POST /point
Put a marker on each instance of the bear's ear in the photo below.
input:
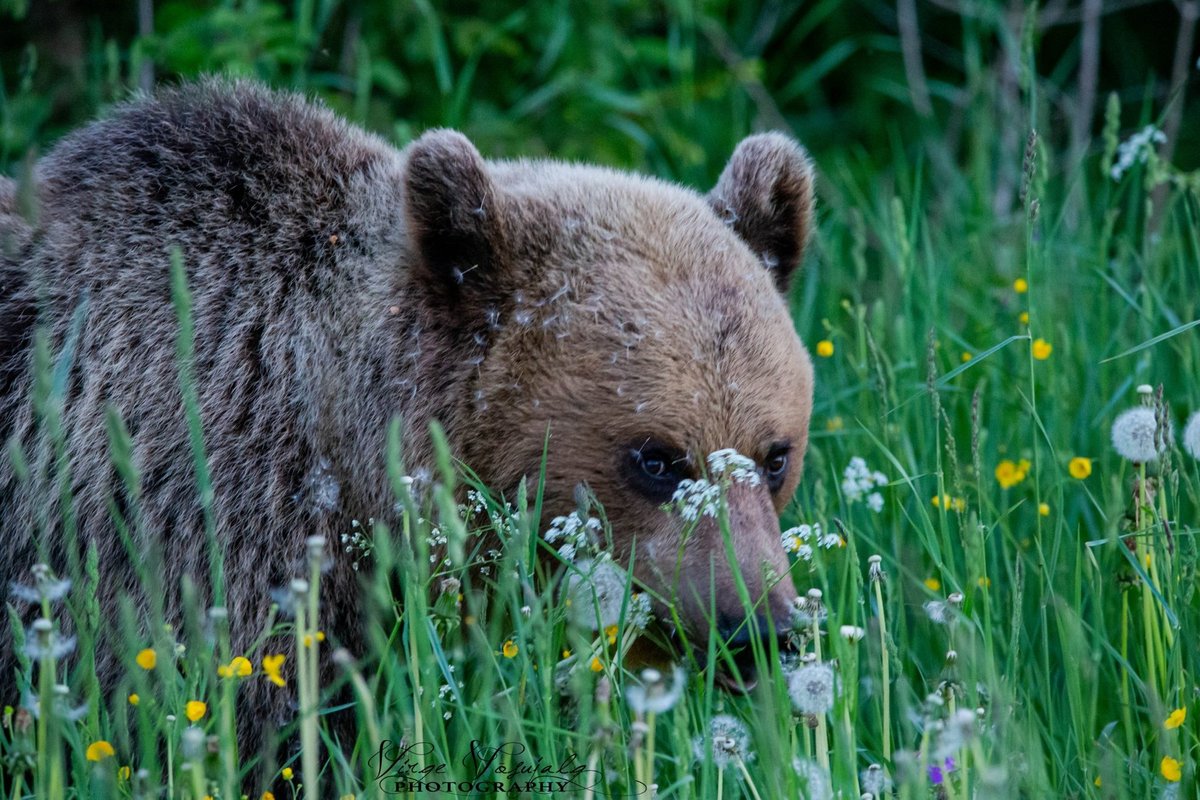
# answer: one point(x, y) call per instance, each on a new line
point(453, 218)
point(766, 195)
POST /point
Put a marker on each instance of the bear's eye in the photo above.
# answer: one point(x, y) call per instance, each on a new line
point(776, 465)
point(654, 471)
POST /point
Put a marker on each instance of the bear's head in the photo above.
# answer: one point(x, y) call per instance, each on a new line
point(631, 328)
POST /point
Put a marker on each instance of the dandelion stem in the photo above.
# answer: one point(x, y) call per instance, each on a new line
point(749, 781)
point(885, 667)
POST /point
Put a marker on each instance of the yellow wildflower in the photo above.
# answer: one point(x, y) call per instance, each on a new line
point(99, 750)
point(1023, 317)
point(966, 357)
point(1042, 349)
point(834, 424)
point(566, 654)
point(134, 699)
point(195, 709)
point(824, 348)
point(1171, 769)
point(124, 772)
point(286, 773)
point(984, 582)
point(308, 638)
point(596, 665)
point(271, 668)
point(1020, 286)
point(1080, 467)
point(1175, 719)
point(147, 659)
point(510, 649)
point(1044, 509)
point(267, 796)
point(933, 584)
point(611, 633)
point(1009, 473)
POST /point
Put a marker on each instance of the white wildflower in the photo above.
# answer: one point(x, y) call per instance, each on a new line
point(575, 533)
point(654, 694)
point(811, 688)
point(730, 742)
point(859, 483)
point(802, 539)
point(875, 781)
point(1133, 435)
point(1191, 435)
point(1136, 150)
point(694, 498)
point(729, 463)
point(852, 633)
point(960, 729)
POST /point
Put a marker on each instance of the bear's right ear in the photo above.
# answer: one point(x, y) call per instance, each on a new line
point(453, 218)
point(765, 194)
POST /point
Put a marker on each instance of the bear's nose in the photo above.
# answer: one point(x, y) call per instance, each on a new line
point(741, 633)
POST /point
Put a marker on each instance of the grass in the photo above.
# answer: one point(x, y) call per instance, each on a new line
point(998, 578)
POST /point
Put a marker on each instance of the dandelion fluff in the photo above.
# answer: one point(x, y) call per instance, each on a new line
point(814, 780)
point(655, 694)
point(811, 688)
point(596, 593)
point(1191, 435)
point(730, 742)
point(1133, 435)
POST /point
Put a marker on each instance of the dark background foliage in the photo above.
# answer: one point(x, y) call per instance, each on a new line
point(667, 87)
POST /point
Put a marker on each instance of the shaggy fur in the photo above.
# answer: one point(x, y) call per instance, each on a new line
point(337, 284)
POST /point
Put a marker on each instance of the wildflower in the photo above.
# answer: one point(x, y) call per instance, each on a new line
point(654, 694)
point(1044, 509)
point(1175, 719)
point(852, 633)
point(272, 666)
point(966, 357)
point(1171, 769)
point(825, 348)
point(510, 649)
point(611, 634)
point(1020, 286)
point(240, 667)
point(308, 638)
point(99, 750)
point(1009, 473)
point(731, 464)
point(983, 582)
point(124, 772)
point(574, 532)
point(834, 424)
point(947, 502)
point(1191, 435)
point(1080, 467)
point(195, 709)
point(1136, 150)
point(44, 642)
point(286, 773)
point(134, 699)
point(944, 613)
point(597, 665)
point(147, 659)
point(858, 483)
point(875, 568)
point(958, 731)
point(933, 584)
point(1042, 349)
point(1133, 435)
point(802, 539)
point(267, 796)
point(811, 688)
point(45, 589)
point(1023, 317)
point(730, 742)
point(814, 779)
point(694, 498)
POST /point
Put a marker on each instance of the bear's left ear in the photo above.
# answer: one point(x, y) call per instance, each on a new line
point(766, 195)
point(453, 214)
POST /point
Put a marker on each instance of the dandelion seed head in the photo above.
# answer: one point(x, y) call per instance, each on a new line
point(811, 688)
point(730, 741)
point(596, 592)
point(654, 694)
point(1133, 435)
point(814, 779)
point(1191, 435)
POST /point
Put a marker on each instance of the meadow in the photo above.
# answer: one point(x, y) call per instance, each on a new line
point(996, 530)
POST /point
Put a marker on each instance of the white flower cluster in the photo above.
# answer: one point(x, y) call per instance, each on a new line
point(802, 540)
point(357, 541)
point(575, 533)
point(1136, 149)
point(693, 498)
point(731, 464)
point(859, 483)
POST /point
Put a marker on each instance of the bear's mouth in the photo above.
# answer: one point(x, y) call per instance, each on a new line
point(740, 680)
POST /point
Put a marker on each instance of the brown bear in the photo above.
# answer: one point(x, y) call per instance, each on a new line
point(337, 284)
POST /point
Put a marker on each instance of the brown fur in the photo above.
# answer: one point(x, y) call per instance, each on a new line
point(337, 284)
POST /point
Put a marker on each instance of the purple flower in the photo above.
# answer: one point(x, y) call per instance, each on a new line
point(935, 774)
